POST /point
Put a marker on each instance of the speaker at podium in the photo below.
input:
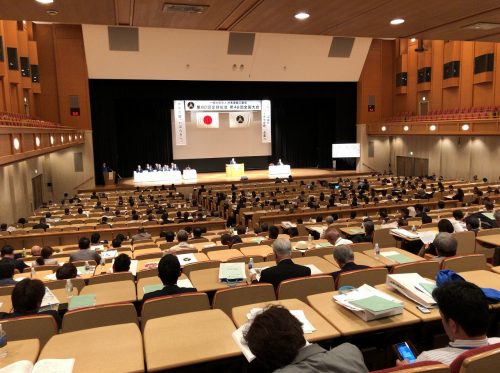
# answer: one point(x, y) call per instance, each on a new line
point(109, 177)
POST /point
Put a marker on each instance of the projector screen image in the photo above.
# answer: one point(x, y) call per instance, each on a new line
point(221, 128)
point(346, 150)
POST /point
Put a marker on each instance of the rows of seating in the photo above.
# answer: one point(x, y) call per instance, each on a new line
point(483, 112)
point(23, 120)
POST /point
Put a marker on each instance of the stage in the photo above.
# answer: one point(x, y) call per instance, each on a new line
point(214, 178)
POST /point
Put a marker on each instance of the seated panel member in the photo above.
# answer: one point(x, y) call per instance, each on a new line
point(285, 268)
point(169, 271)
point(276, 338)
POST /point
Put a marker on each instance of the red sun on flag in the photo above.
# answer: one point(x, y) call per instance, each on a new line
point(207, 119)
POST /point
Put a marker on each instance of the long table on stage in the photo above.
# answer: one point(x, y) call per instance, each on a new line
point(158, 176)
point(280, 171)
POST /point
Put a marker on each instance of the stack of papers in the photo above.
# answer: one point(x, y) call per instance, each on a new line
point(397, 257)
point(427, 237)
point(314, 270)
point(288, 224)
point(232, 272)
point(369, 303)
point(258, 239)
point(186, 259)
point(413, 286)
point(404, 233)
point(45, 365)
point(80, 301)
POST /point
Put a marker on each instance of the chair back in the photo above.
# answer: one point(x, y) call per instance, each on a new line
point(81, 263)
point(78, 283)
point(299, 238)
point(384, 238)
point(370, 276)
point(48, 267)
point(95, 317)
point(421, 367)
point(188, 268)
point(319, 252)
point(361, 246)
point(186, 251)
point(6, 290)
point(301, 287)
point(227, 299)
point(145, 273)
point(466, 242)
point(239, 259)
point(41, 327)
point(196, 240)
point(111, 277)
point(481, 359)
point(238, 246)
point(425, 268)
point(173, 305)
point(465, 263)
point(139, 256)
point(206, 250)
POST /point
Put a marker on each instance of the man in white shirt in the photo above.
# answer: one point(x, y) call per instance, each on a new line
point(465, 315)
point(332, 235)
point(458, 221)
point(182, 238)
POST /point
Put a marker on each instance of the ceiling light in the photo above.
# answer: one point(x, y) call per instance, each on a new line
point(302, 16)
point(406, 128)
point(465, 127)
point(413, 40)
point(433, 127)
point(52, 12)
point(184, 8)
point(397, 21)
point(383, 128)
point(45, 1)
point(16, 143)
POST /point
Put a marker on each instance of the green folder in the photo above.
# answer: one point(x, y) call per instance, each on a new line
point(79, 301)
point(357, 230)
point(375, 304)
point(400, 258)
point(151, 288)
point(428, 287)
point(325, 244)
point(81, 270)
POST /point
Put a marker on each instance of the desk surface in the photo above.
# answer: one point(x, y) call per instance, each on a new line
point(26, 349)
point(223, 255)
point(359, 258)
point(483, 278)
point(348, 323)
point(118, 349)
point(260, 250)
point(389, 262)
point(496, 269)
point(493, 239)
point(205, 280)
point(112, 292)
point(324, 329)
point(188, 338)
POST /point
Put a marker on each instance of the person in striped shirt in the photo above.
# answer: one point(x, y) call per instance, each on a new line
point(464, 314)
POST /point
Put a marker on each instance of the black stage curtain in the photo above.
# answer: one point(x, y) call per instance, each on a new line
point(132, 125)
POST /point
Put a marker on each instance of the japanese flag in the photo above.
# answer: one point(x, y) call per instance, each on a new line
point(207, 120)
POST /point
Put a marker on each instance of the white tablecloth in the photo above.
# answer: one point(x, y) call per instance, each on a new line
point(158, 176)
point(279, 171)
point(189, 174)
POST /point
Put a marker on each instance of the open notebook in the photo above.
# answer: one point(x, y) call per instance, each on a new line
point(42, 366)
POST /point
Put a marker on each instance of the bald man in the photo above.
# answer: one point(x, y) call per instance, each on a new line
point(36, 250)
point(332, 235)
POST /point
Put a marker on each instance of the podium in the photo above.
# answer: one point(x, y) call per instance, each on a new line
point(235, 170)
point(109, 177)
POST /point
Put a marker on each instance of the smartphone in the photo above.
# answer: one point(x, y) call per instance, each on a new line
point(404, 351)
point(423, 309)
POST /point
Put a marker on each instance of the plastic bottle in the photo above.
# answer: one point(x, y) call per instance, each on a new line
point(24, 252)
point(3, 343)
point(413, 228)
point(87, 266)
point(310, 238)
point(33, 272)
point(250, 263)
point(377, 249)
point(69, 288)
point(103, 264)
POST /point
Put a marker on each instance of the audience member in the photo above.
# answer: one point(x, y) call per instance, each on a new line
point(36, 250)
point(141, 235)
point(273, 232)
point(45, 257)
point(7, 273)
point(344, 257)
point(332, 235)
point(369, 228)
point(276, 338)
point(42, 224)
point(121, 263)
point(84, 253)
point(7, 254)
point(458, 221)
point(66, 271)
point(182, 239)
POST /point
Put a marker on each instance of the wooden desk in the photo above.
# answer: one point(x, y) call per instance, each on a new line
point(261, 250)
point(496, 269)
point(223, 255)
point(323, 265)
point(115, 348)
point(324, 329)
point(359, 258)
point(6, 301)
point(206, 280)
point(389, 262)
point(431, 229)
point(482, 278)
point(201, 245)
point(410, 305)
point(352, 231)
point(27, 349)
point(188, 338)
point(112, 292)
point(348, 323)
point(493, 239)
point(39, 275)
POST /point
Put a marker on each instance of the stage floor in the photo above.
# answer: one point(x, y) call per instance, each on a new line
point(211, 178)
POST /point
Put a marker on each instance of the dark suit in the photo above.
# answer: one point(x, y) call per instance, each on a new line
point(18, 264)
point(351, 266)
point(167, 290)
point(285, 270)
point(41, 226)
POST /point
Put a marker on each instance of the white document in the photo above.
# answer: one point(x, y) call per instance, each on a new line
point(314, 270)
point(427, 237)
point(388, 253)
point(52, 276)
point(232, 271)
point(186, 259)
point(240, 341)
point(404, 233)
point(109, 254)
point(288, 224)
point(49, 299)
point(184, 283)
point(410, 285)
point(42, 366)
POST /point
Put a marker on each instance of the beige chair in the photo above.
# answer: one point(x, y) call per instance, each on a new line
point(466, 242)
point(78, 283)
point(41, 327)
point(48, 267)
point(139, 256)
point(186, 251)
point(482, 359)
point(227, 299)
point(95, 317)
point(384, 238)
point(242, 258)
point(370, 276)
point(187, 269)
point(145, 273)
point(112, 277)
point(206, 250)
point(197, 240)
point(425, 268)
point(422, 367)
point(361, 246)
point(6, 290)
point(319, 252)
point(301, 287)
point(465, 263)
point(173, 305)
point(238, 246)
point(143, 246)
